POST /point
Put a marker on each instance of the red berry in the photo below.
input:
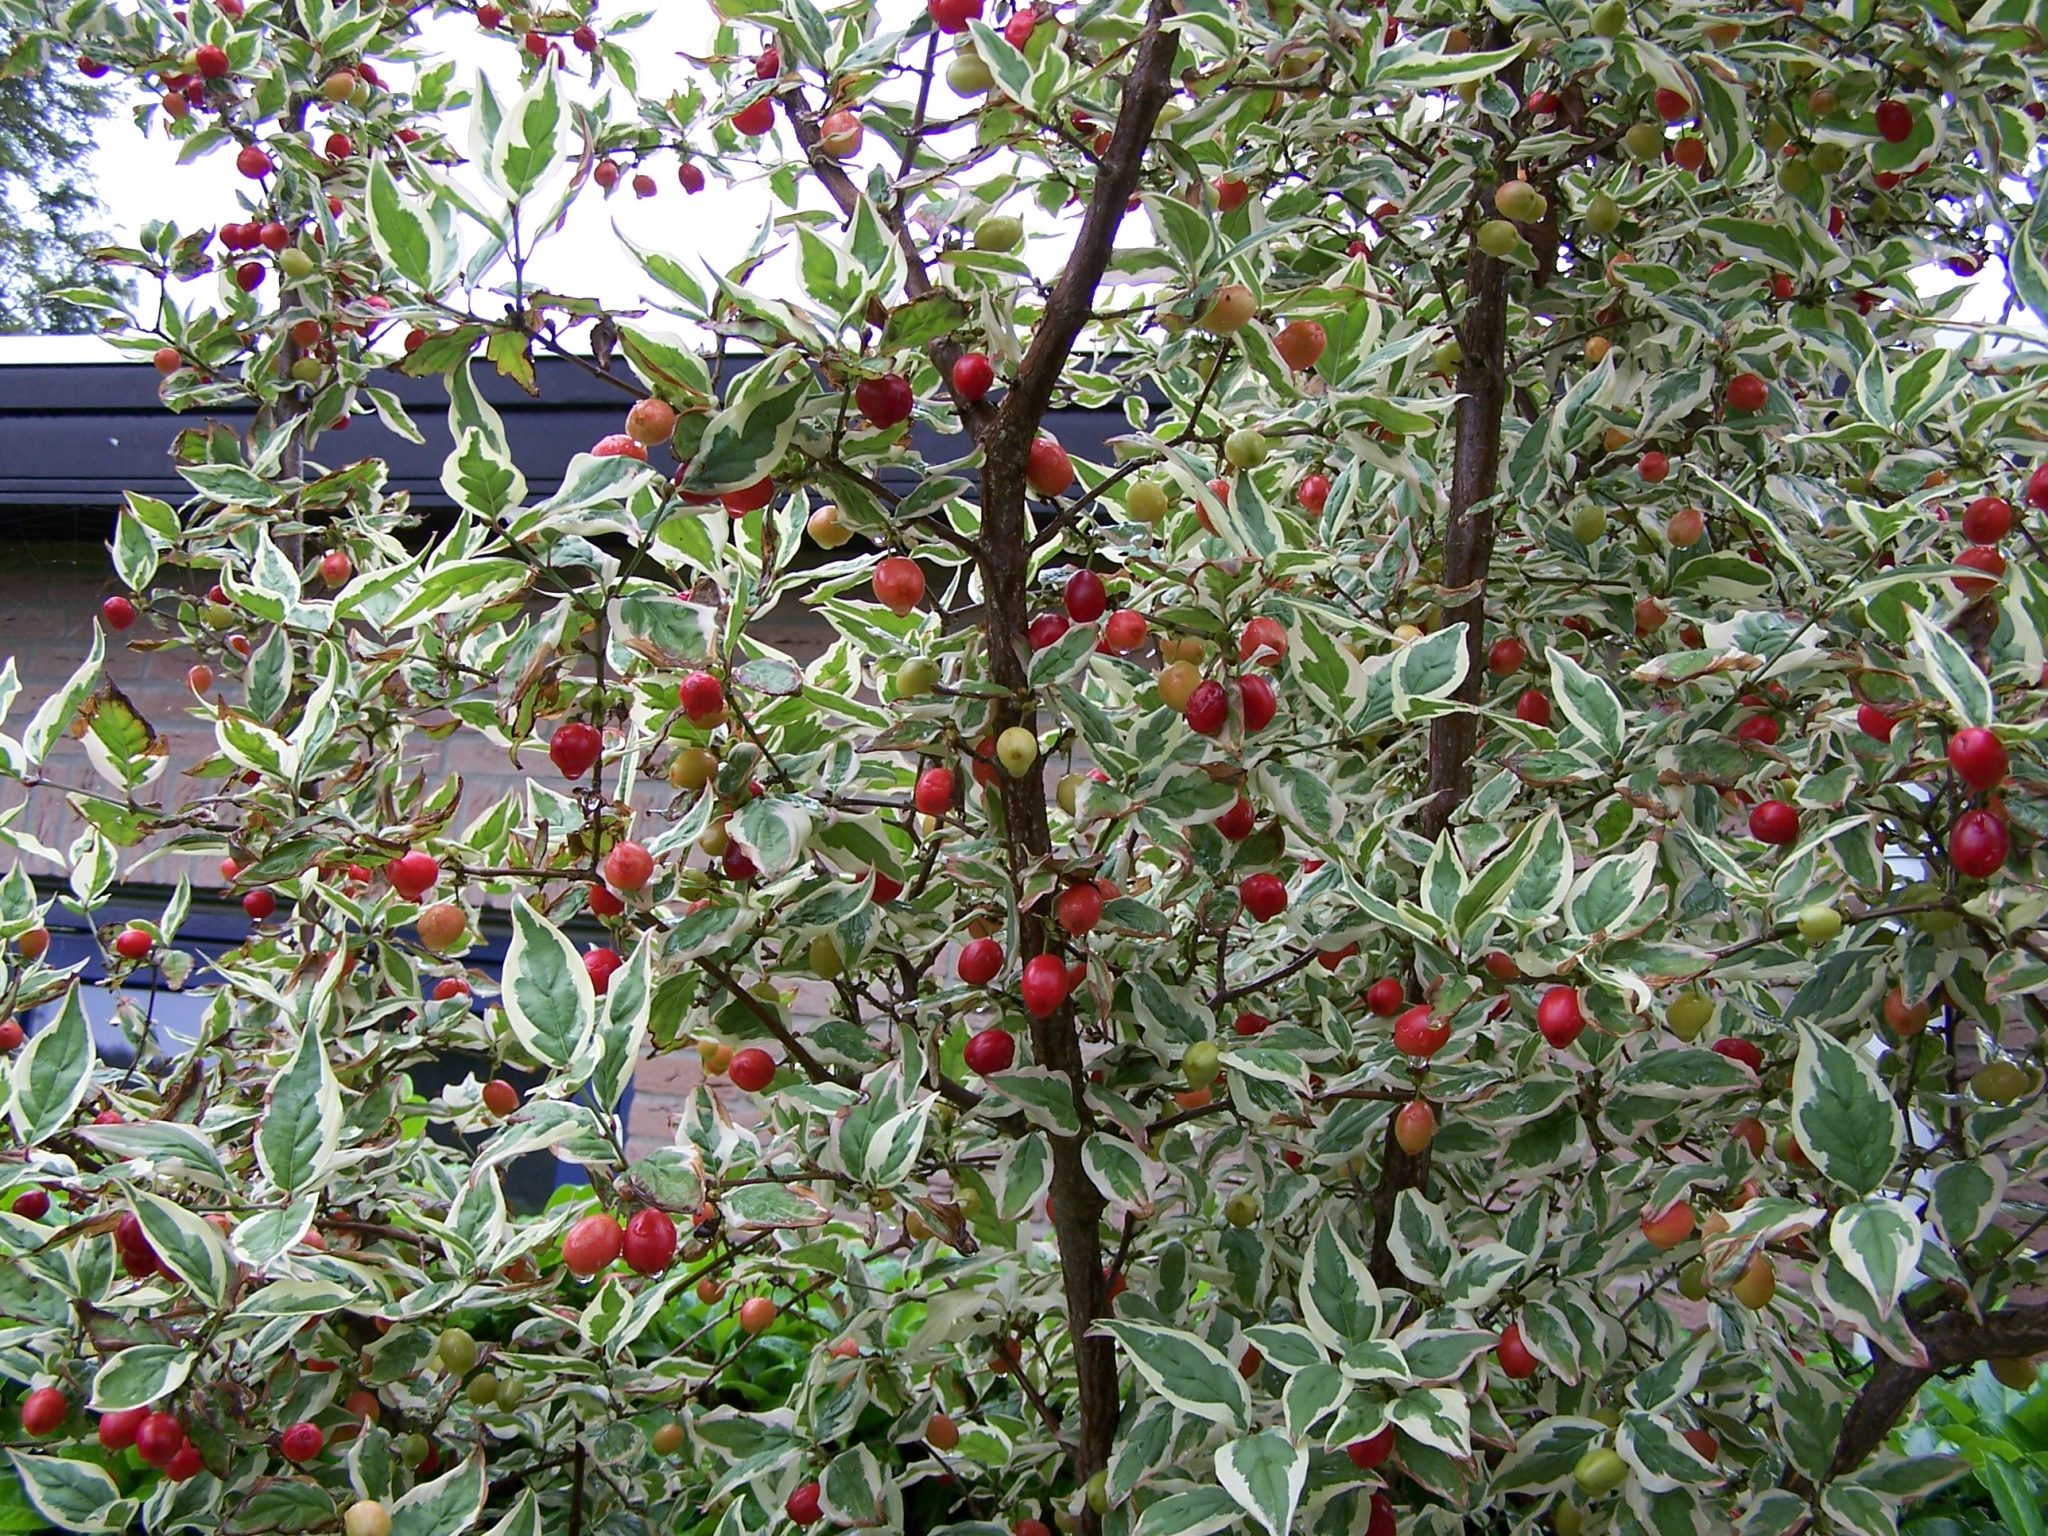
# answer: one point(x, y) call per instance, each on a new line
point(1672, 106)
point(413, 874)
point(259, 903)
point(158, 1438)
point(1046, 630)
point(1559, 1018)
point(805, 1505)
point(1313, 493)
point(1263, 643)
point(302, 1442)
point(1079, 908)
point(575, 748)
point(1747, 394)
point(1043, 986)
point(1516, 1362)
point(2037, 488)
point(898, 583)
point(118, 612)
point(500, 1097)
point(585, 39)
point(1987, 520)
point(536, 43)
point(1774, 822)
point(31, 1204)
point(600, 965)
point(1264, 896)
point(1372, 1452)
point(117, 1429)
point(702, 697)
point(690, 176)
point(933, 795)
point(133, 944)
point(1207, 708)
point(1745, 1051)
point(1533, 708)
point(755, 118)
point(253, 163)
point(1977, 844)
point(1125, 631)
point(489, 17)
point(1978, 757)
point(43, 1410)
point(1762, 729)
point(1654, 467)
point(768, 63)
point(628, 866)
point(1257, 703)
point(751, 1069)
point(952, 16)
point(990, 1051)
point(1874, 722)
point(1386, 997)
point(592, 1244)
point(336, 567)
point(1983, 558)
point(1379, 1520)
point(885, 401)
point(1251, 1024)
point(186, 1465)
point(1018, 29)
point(1238, 822)
point(1506, 655)
point(980, 961)
point(1420, 1034)
point(650, 1244)
point(1047, 469)
point(1894, 121)
point(973, 375)
point(643, 184)
point(1086, 597)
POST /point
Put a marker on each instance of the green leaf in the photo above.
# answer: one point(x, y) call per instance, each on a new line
point(1429, 668)
point(1773, 244)
point(1880, 1242)
point(1413, 65)
point(402, 228)
point(549, 1000)
point(480, 477)
point(1117, 1170)
point(536, 137)
point(1436, 1416)
point(1198, 1512)
point(1340, 1304)
point(52, 1072)
point(746, 440)
point(1603, 898)
point(1947, 666)
point(1841, 1115)
point(1187, 1371)
point(1591, 706)
point(72, 1495)
point(1045, 1096)
point(1266, 1475)
point(301, 1126)
point(140, 1374)
point(775, 832)
point(187, 1243)
point(852, 1488)
point(922, 321)
point(448, 1505)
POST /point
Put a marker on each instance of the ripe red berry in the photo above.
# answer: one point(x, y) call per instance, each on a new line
point(1125, 631)
point(31, 1204)
point(1977, 844)
point(1747, 394)
point(1251, 1024)
point(1239, 821)
point(1018, 29)
point(1894, 121)
point(253, 163)
point(1874, 722)
point(1207, 708)
point(952, 16)
point(973, 375)
point(755, 118)
point(500, 1097)
point(898, 584)
point(1762, 729)
point(585, 39)
point(1559, 1017)
point(1047, 469)
point(1533, 708)
point(980, 961)
point(768, 63)
point(1086, 597)
point(751, 1069)
point(259, 903)
point(1774, 822)
point(413, 875)
point(1386, 997)
point(1046, 630)
point(592, 1244)
point(1079, 908)
point(650, 1243)
point(1672, 106)
point(600, 965)
point(133, 944)
point(1313, 493)
point(302, 1442)
point(628, 866)
point(186, 1465)
point(1043, 985)
point(1978, 757)
point(1980, 557)
point(1987, 520)
point(885, 401)
point(1262, 643)
point(2037, 488)
point(990, 1051)
point(1506, 655)
point(1745, 1051)
point(117, 1429)
point(1654, 467)
point(1420, 1034)
point(43, 1410)
point(336, 567)
point(933, 795)
point(1264, 896)
point(158, 1438)
point(702, 697)
point(489, 17)
point(117, 612)
point(1516, 1362)
point(575, 748)
point(643, 184)
point(1257, 703)
point(1372, 1451)
point(806, 1504)
point(690, 177)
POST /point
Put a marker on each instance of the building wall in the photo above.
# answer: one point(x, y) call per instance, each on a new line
point(50, 594)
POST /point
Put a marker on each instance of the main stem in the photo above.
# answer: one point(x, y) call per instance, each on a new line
point(1004, 557)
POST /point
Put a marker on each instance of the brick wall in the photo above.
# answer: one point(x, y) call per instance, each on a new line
point(50, 593)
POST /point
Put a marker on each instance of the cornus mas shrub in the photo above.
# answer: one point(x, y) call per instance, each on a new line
point(1481, 970)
